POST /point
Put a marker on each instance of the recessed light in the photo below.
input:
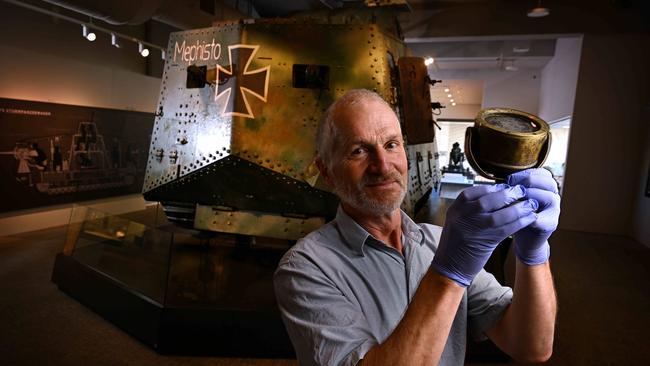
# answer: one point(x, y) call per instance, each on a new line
point(538, 11)
point(451, 100)
point(449, 95)
point(453, 104)
point(446, 90)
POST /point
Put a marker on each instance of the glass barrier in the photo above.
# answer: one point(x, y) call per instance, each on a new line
point(174, 266)
point(129, 252)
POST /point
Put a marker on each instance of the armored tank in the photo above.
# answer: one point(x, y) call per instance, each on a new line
point(233, 142)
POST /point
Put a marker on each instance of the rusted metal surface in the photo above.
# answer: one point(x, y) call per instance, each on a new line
point(255, 223)
point(416, 103)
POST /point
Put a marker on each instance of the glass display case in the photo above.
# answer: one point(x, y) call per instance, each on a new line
point(179, 291)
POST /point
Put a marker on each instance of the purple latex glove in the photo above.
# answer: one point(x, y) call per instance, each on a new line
point(531, 243)
point(479, 219)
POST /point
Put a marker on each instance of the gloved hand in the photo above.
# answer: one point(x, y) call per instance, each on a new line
point(479, 219)
point(531, 243)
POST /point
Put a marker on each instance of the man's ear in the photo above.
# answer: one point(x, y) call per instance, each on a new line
point(324, 172)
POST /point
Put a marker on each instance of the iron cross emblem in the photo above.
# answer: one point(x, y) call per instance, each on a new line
point(242, 80)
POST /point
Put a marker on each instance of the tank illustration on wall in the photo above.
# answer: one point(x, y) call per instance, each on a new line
point(233, 143)
point(85, 165)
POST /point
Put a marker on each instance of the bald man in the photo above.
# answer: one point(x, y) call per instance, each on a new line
point(372, 287)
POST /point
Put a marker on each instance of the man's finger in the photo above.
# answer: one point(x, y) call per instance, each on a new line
point(512, 213)
point(473, 193)
point(534, 178)
point(547, 220)
point(511, 228)
point(545, 198)
point(497, 200)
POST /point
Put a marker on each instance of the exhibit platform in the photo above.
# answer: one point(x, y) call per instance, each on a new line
point(179, 291)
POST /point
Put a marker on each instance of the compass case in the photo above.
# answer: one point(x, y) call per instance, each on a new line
point(503, 141)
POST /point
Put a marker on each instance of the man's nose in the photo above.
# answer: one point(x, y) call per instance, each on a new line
point(379, 161)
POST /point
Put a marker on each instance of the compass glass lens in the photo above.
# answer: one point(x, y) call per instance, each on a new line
point(512, 123)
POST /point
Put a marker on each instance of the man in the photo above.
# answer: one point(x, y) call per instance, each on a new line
point(367, 289)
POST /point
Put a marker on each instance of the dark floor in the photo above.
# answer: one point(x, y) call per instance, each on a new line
point(603, 285)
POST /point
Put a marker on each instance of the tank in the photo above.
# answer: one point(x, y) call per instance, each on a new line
point(233, 143)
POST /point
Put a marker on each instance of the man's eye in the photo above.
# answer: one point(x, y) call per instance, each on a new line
point(392, 145)
point(357, 151)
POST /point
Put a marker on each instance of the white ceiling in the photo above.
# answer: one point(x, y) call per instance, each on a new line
point(462, 91)
point(465, 59)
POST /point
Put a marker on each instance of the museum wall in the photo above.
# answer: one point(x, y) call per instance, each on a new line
point(514, 89)
point(53, 216)
point(608, 138)
point(558, 80)
point(459, 111)
point(641, 223)
point(45, 59)
point(518, 90)
point(37, 77)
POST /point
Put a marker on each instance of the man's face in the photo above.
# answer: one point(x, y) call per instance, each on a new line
point(368, 168)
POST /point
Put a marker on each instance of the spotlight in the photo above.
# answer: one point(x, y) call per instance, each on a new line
point(428, 61)
point(446, 90)
point(538, 11)
point(510, 66)
point(88, 35)
point(143, 51)
point(114, 41)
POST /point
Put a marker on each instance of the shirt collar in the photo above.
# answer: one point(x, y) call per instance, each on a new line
point(356, 236)
point(412, 230)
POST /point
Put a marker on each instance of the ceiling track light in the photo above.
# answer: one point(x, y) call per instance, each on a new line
point(88, 29)
point(89, 35)
point(144, 52)
point(114, 41)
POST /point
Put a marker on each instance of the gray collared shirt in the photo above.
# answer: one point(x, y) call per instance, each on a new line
point(341, 292)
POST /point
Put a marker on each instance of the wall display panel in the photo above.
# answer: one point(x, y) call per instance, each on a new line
point(56, 153)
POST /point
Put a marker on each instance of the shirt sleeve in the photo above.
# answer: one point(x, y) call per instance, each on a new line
point(325, 327)
point(486, 301)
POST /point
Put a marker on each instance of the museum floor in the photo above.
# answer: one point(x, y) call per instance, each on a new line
point(602, 283)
